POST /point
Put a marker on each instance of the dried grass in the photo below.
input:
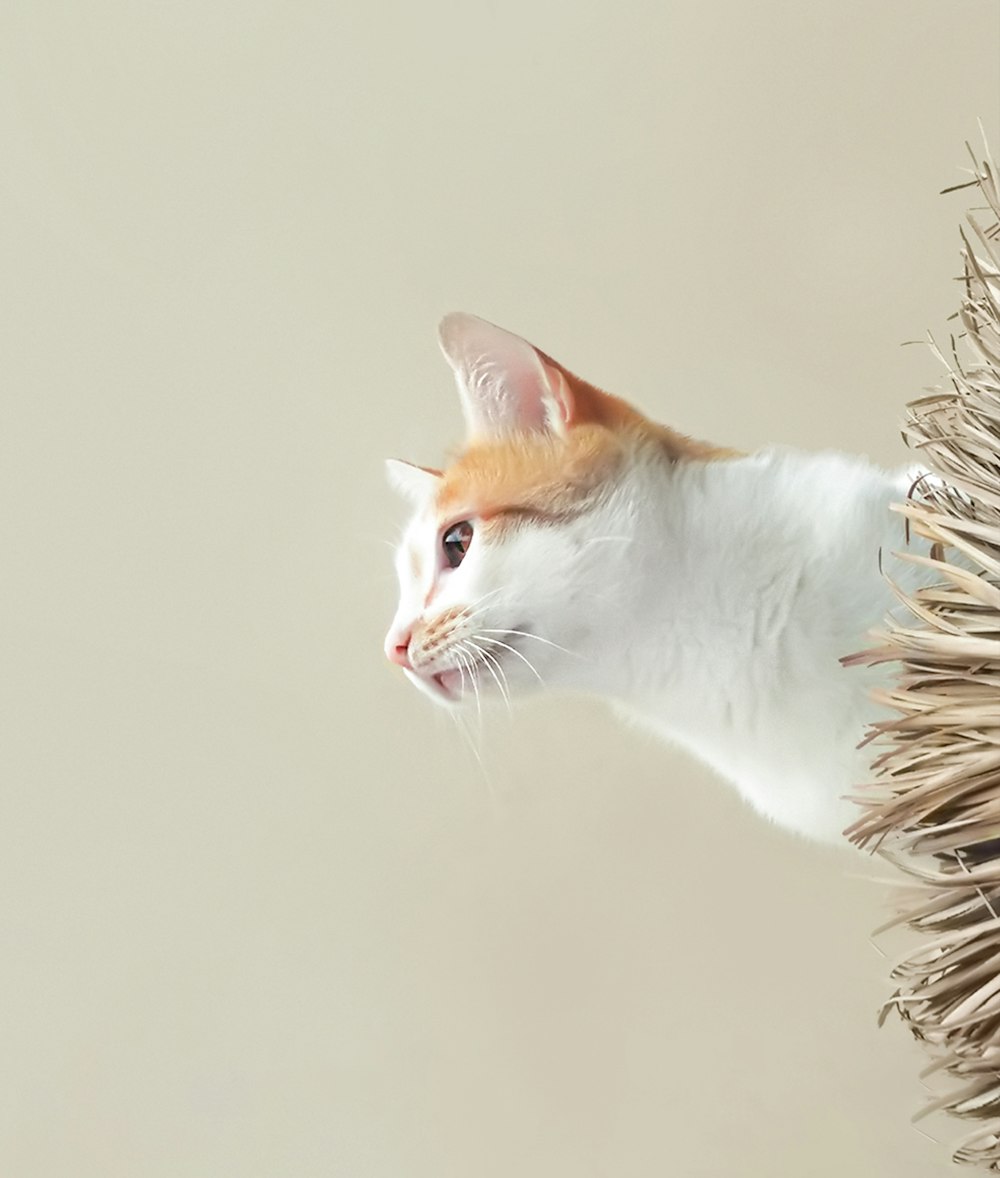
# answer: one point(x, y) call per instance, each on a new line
point(934, 808)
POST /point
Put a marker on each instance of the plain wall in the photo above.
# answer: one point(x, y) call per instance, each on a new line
point(261, 910)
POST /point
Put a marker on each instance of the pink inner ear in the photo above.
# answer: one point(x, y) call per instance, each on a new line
point(504, 385)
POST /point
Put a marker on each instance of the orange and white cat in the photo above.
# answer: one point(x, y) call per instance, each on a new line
point(709, 594)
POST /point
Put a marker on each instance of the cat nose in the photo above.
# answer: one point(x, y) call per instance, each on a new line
point(397, 648)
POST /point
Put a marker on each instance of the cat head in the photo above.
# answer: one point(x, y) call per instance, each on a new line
point(509, 565)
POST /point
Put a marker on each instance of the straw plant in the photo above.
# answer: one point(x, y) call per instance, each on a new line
point(934, 805)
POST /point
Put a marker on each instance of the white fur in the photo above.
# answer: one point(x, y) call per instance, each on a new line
point(709, 601)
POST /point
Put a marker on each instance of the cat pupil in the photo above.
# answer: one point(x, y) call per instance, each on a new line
point(455, 543)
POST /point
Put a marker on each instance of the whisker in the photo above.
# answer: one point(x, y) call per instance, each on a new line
point(503, 676)
point(537, 637)
point(462, 653)
point(489, 661)
point(507, 646)
point(484, 660)
point(485, 597)
point(460, 725)
point(461, 671)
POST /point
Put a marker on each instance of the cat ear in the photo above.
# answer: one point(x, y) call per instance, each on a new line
point(504, 384)
point(416, 483)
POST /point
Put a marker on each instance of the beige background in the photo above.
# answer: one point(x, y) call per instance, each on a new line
point(261, 912)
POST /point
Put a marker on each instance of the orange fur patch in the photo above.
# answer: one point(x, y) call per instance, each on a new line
point(531, 472)
point(596, 407)
point(545, 475)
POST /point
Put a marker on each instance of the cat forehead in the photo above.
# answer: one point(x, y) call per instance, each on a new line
point(538, 473)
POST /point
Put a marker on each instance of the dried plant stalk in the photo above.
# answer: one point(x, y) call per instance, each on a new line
point(934, 807)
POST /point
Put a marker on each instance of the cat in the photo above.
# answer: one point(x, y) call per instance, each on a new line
point(709, 594)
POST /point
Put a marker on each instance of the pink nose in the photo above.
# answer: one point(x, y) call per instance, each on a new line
point(397, 648)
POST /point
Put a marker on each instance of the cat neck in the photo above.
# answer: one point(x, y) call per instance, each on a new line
point(740, 566)
point(747, 582)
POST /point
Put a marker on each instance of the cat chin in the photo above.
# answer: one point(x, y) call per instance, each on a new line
point(444, 688)
point(451, 689)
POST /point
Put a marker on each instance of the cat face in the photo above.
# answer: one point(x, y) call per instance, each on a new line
point(504, 567)
point(486, 565)
point(493, 564)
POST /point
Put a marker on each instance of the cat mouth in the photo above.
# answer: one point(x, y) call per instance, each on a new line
point(454, 684)
point(443, 685)
point(448, 683)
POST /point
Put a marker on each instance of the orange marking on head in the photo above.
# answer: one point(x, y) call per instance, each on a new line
point(542, 473)
point(593, 406)
point(536, 472)
point(553, 471)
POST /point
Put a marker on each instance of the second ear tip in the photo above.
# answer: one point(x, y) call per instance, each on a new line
point(452, 320)
point(463, 320)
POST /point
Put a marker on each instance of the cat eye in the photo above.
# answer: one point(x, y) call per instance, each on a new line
point(455, 542)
